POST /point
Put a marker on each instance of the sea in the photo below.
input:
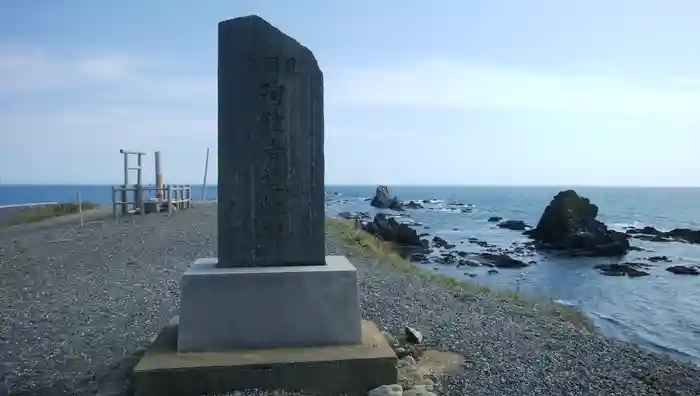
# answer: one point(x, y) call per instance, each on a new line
point(660, 312)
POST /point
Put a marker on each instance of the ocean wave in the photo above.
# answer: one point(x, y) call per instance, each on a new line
point(566, 302)
point(678, 352)
point(654, 343)
point(608, 318)
point(461, 204)
point(625, 226)
point(644, 336)
point(447, 210)
point(622, 227)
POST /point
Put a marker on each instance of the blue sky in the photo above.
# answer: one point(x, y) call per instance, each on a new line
point(449, 92)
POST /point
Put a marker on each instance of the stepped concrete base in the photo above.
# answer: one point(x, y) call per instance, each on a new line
point(329, 370)
point(268, 307)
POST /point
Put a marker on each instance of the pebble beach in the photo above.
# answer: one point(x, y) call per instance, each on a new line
point(78, 305)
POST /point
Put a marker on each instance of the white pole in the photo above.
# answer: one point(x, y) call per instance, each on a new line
point(206, 168)
point(80, 209)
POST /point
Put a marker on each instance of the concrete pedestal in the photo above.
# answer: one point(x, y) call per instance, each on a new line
point(289, 328)
point(329, 370)
point(268, 307)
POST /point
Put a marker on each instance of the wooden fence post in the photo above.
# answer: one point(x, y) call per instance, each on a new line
point(80, 208)
point(170, 200)
point(114, 203)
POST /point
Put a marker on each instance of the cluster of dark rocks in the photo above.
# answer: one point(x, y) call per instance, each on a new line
point(413, 381)
point(414, 247)
point(382, 199)
point(407, 344)
point(634, 269)
point(405, 239)
point(630, 269)
point(675, 235)
point(413, 205)
point(568, 226)
point(491, 256)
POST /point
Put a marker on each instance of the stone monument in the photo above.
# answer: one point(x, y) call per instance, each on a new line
point(272, 311)
point(271, 164)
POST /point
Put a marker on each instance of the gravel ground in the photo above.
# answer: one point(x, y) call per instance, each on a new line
point(78, 305)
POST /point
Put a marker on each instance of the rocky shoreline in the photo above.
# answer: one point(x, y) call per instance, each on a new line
point(91, 299)
point(506, 350)
point(567, 227)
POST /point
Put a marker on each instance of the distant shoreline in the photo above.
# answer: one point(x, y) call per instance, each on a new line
point(374, 185)
point(28, 204)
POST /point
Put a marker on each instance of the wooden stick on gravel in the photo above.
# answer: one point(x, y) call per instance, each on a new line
point(80, 208)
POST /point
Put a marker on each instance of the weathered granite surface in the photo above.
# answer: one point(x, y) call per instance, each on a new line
point(271, 160)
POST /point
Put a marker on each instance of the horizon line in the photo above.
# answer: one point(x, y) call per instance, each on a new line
point(375, 184)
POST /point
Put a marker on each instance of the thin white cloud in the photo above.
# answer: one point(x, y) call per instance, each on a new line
point(439, 84)
point(106, 68)
point(83, 109)
point(84, 124)
point(429, 84)
point(200, 91)
point(81, 145)
point(35, 71)
point(120, 77)
point(109, 101)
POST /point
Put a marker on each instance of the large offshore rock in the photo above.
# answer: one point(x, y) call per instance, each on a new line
point(569, 224)
point(383, 200)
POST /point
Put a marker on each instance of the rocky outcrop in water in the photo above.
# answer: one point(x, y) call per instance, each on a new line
point(569, 224)
point(498, 258)
point(440, 242)
point(656, 259)
point(404, 238)
point(683, 270)
point(383, 200)
point(630, 269)
point(515, 225)
point(677, 234)
point(684, 234)
point(501, 260)
point(413, 205)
